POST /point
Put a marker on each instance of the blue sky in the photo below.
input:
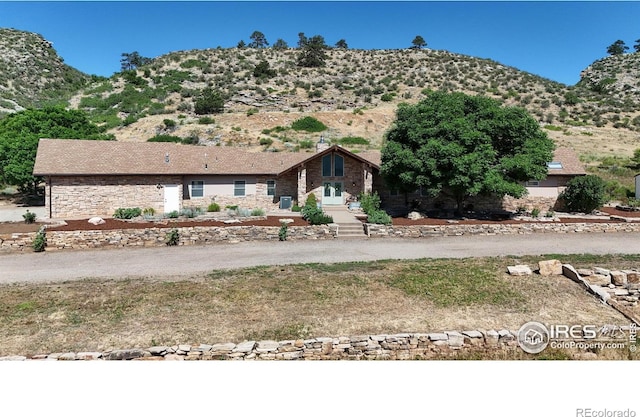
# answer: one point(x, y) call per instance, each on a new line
point(556, 40)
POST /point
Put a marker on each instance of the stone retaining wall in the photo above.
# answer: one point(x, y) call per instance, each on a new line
point(380, 231)
point(406, 346)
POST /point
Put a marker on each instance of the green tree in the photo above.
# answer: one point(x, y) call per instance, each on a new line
point(133, 60)
point(342, 44)
point(210, 101)
point(636, 47)
point(617, 48)
point(262, 70)
point(258, 40)
point(20, 133)
point(461, 146)
point(418, 42)
point(302, 40)
point(280, 44)
point(312, 53)
point(584, 194)
point(241, 44)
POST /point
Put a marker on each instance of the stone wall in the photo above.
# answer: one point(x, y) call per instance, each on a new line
point(154, 236)
point(381, 231)
point(405, 346)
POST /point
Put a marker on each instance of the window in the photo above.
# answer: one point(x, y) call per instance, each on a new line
point(532, 184)
point(271, 187)
point(197, 189)
point(326, 166)
point(338, 166)
point(335, 169)
point(238, 188)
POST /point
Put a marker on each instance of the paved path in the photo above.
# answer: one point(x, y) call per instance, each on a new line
point(14, 214)
point(181, 260)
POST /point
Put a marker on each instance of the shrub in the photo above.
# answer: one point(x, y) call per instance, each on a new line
point(165, 138)
point(40, 241)
point(206, 120)
point(378, 217)
point(168, 123)
point(584, 194)
point(306, 144)
point(535, 212)
point(243, 212)
point(309, 124)
point(266, 141)
point(127, 213)
point(369, 202)
point(282, 233)
point(311, 200)
point(29, 217)
point(172, 238)
point(296, 208)
point(213, 207)
point(209, 102)
point(173, 214)
point(149, 211)
point(257, 212)
point(353, 140)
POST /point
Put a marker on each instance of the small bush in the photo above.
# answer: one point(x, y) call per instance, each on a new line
point(311, 200)
point(309, 124)
point(173, 214)
point(127, 213)
point(296, 208)
point(306, 144)
point(213, 207)
point(378, 217)
point(172, 238)
point(266, 141)
point(165, 138)
point(206, 120)
point(535, 212)
point(282, 233)
point(29, 217)
point(369, 202)
point(584, 194)
point(257, 212)
point(149, 211)
point(40, 241)
point(353, 140)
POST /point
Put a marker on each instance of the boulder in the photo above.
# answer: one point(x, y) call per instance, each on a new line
point(519, 270)
point(598, 279)
point(618, 278)
point(96, 221)
point(633, 277)
point(551, 267)
point(414, 215)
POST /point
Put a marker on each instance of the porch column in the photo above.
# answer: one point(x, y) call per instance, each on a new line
point(302, 184)
point(367, 178)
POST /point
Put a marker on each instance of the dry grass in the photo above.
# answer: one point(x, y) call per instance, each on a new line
point(284, 302)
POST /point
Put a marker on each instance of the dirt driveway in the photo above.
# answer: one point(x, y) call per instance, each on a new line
point(189, 260)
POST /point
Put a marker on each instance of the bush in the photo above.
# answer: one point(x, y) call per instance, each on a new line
point(40, 241)
point(309, 124)
point(213, 207)
point(29, 217)
point(296, 208)
point(266, 141)
point(311, 200)
point(206, 120)
point(353, 140)
point(165, 138)
point(127, 213)
point(369, 202)
point(282, 233)
point(209, 102)
point(173, 214)
point(584, 194)
point(257, 212)
point(378, 217)
point(172, 238)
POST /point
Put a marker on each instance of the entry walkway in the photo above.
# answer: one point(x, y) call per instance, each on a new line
point(348, 225)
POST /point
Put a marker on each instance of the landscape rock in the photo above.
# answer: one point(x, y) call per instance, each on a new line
point(584, 272)
point(519, 270)
point(598, 279)
point(633, 277)
point(125, 355)
point(96, 220)
point(550, 267)
point(618, 278)
point(414, 215)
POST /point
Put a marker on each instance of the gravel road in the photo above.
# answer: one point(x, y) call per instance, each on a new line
point(189, 260)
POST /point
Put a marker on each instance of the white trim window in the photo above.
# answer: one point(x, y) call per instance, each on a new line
point(197, 188)
point(532, 183)
point(271, 187)
point(239, 188)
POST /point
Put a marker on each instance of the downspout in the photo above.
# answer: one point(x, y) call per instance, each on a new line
point(50, 200)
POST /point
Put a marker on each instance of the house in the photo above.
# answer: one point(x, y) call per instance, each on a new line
point(85, 178)
point(94, 178)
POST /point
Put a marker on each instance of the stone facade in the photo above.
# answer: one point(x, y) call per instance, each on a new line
point(82, 196)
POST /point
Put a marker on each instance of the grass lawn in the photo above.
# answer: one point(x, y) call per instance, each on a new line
point(297, 301)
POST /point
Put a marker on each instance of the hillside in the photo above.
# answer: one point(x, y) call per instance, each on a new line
point(32, 73)
point(355, 94)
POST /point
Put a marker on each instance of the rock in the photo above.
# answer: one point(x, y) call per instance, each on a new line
point(232, 221)
point(455, 339)
point(519, 270)
point(414, 215)
point(598, 279)
point(267, 346)
point(158, 350)
point(286, 221)
point(618, 278)
point(633, 277)
point(68, 356)
point(437, 336)
point(474, 334)
point(13, 358)
point(584, 272)
point(96, 221)
point(88, 356)
point(601, 271)
point(124, 355)
point(223, 347)
point(245, 347)
point(551, 267)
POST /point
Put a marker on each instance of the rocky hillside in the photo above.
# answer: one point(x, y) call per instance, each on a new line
point(355, 94)
point(32, 73)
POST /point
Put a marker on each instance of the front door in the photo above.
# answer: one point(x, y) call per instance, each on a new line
point(332, 194)
point(171, 198)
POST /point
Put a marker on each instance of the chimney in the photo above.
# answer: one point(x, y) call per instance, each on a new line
point(321, 145)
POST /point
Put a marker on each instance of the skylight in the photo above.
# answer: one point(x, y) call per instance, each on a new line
point(554, 165)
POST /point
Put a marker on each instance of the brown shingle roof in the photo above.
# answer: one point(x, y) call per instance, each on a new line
point(571, 164)
point(89, 157)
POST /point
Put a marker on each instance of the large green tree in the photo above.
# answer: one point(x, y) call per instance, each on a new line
point(617, 48)
point(461, 146)
point(133, 60)
point(312, 51)
point(418, 42)
point(258, 40)
point(20, 133)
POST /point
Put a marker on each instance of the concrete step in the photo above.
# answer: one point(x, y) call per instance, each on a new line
point(346, 230)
